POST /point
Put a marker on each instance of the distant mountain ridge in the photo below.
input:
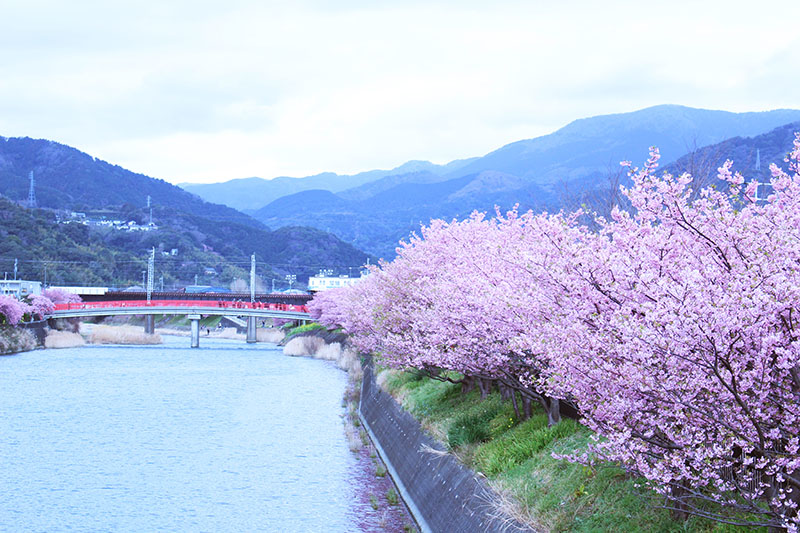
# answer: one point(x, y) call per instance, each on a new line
point(249, 194)
point(540, 174)
point(583, 150)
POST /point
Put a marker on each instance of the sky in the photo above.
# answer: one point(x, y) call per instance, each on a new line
point(200, 91)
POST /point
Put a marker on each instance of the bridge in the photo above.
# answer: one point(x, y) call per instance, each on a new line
point(194, 309)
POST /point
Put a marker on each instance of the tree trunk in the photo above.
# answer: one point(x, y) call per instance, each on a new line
point(505, 391)
point(553, 408)
point(467, 384)
point(526, 407)
point(486, 387)
point(514, 403)
point(678, 497)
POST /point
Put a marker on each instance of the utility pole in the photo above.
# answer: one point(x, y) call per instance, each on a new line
point(15, 268)
point(162, 282)
point(195, 279)
point(253, 278)
point(144, 279)
point(150, 208)
point(150, 267)
point(273, 284)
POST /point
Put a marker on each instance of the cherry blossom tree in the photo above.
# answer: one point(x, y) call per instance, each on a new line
point(60, 296)
point(12, 310)
point(680, 343)
point(40, 306)
point(671, 326)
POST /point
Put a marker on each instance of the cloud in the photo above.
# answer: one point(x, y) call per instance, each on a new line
point(193, 91)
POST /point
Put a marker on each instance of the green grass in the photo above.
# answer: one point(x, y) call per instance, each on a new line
point(291, 332)
point(554, 494)
point(474, 425)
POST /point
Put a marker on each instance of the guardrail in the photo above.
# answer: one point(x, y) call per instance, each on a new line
point(221, 304)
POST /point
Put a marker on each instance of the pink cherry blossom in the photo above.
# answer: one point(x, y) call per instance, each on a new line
point(672, 327)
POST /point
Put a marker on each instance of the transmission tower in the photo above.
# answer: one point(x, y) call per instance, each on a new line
point(31, 193)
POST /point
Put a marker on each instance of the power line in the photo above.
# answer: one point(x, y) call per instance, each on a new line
point(144, 260)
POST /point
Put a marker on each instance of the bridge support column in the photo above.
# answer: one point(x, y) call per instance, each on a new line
point(252, 323)
point(195, 320)
point(149, 324)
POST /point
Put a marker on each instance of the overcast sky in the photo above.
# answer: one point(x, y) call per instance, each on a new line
point(202, 91)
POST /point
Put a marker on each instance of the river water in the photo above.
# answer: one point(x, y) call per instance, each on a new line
point(228, 437)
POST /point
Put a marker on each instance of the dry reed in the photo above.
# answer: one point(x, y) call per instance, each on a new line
point(63, 339)
point(122, 335)
point(353, 439)
point(270, 335)
point(299, 346)
point(347, 359)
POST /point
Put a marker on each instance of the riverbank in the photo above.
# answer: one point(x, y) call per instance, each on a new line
point(14, 340)
point(517, 458)
point(514, 457)
point(442, 494)
point(386, 510)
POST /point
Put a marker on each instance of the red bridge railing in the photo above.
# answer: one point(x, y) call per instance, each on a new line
point(182, 303)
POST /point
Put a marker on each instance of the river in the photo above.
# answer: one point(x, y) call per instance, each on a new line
point(228, 437)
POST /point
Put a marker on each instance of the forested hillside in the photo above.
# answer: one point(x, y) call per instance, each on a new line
point(210, 241)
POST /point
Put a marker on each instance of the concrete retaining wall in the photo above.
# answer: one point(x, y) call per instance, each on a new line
point(441, 493)
point(38, 328)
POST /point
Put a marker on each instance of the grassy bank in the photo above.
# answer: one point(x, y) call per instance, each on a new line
point(549, 494)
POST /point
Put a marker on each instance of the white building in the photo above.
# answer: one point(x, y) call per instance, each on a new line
point(20, 288)
point(82, 291)
point(324, 281)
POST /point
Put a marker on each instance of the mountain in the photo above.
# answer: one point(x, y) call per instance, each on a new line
point(560, 170)
point(751, 156)
point(208, 237)
point(248, 194)
point(587, 148)
point(378, 222)
point(67, 178)
point(75, 254)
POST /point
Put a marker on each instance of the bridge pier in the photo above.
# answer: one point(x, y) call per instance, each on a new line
point(195, 320)
point(149, 324)
point(252, 324)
